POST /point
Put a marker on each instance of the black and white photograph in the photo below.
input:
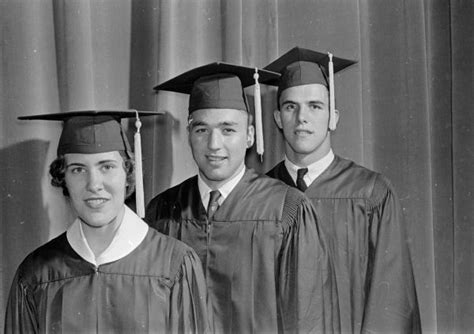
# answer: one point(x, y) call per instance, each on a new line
point(237, 166)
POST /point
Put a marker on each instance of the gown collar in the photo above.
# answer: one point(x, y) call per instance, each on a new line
point(129, 235)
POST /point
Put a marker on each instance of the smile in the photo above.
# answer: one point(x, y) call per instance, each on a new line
point(95, 202)
point(215, 158)
point(302, 132)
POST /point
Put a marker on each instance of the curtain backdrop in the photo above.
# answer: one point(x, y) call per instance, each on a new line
point(406, 108)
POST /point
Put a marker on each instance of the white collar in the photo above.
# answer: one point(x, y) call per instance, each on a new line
point(225, 189)
point(314, 170)
point(129, 235)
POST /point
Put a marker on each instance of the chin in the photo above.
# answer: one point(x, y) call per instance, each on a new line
point(303, 150)
point(99, 221)
point(216, 177)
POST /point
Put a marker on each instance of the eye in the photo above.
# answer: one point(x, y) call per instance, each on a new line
point(108, 167)
point(228, 131)
point(76, 170)
point(199, 130)
point(315, 106)
point(289, 107)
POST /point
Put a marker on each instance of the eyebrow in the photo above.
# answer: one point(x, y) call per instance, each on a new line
point(224, 123)
point(101, 162)
point(309, 102)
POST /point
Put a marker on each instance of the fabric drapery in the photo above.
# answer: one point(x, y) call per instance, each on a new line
point(404, 108)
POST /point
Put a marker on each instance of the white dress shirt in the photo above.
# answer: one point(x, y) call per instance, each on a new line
point(314, 170)
point(225, 189)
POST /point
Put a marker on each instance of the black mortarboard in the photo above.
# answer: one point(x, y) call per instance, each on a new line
point(303, 66)
point(91, 131)
point(216, 85)
point(99, 131)
point(220, 85)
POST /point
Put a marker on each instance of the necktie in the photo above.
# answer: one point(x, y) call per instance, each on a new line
point(300, 184)
point(213, 204)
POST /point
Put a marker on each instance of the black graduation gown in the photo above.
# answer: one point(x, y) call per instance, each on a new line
point(362, 218)
point(158, 287)
point(265, 263)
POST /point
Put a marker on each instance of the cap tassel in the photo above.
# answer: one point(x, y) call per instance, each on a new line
point(332, 99)
point(139, 194)
point(258, 116)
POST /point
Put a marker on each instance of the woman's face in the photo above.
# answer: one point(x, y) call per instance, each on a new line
point(97, 185)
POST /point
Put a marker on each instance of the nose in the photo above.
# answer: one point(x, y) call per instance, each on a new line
point(214, 141)
point(94, 181)
point(301, 114)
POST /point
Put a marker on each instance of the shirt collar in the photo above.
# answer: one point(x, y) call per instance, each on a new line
point(129, 235)
point(225, 189)
point(314, 170)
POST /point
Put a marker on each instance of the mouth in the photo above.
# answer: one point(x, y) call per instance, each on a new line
point(302, 132)
point(95, 203)
point(215, 159)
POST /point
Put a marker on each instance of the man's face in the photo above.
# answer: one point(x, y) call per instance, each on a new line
point(219, 139)
point(304, 119)
point(96, 185)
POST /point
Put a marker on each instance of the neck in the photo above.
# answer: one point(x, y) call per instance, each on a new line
point(306, 159)
point(99, 238)
point(216, 184)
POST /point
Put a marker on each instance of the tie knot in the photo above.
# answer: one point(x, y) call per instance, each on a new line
point(214, 196)
point(302, 172)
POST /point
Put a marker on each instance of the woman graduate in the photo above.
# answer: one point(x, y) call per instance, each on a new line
point(109, 272)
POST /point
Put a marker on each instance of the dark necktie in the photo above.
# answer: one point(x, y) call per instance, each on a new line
point(300, 184)
point(213, 204)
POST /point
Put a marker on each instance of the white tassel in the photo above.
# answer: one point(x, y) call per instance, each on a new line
point(258, 116)
point(332, 98)
point(139, 194)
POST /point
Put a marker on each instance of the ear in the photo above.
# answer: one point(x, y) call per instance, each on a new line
point(250, 136)
point(277, 118)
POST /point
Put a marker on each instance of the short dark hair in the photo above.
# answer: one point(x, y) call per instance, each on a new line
point(57, 170)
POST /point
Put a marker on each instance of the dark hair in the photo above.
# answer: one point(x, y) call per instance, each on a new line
point(57, 170)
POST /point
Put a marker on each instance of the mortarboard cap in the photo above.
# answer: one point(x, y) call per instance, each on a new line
point(303, 67)
point(216, 85)
point(221, 86)
point(99, 131)
point(91, 131)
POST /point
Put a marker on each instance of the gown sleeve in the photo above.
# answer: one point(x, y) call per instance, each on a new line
point(21, 313)
point(188, 312)
point(307, 291)
point(391, 304)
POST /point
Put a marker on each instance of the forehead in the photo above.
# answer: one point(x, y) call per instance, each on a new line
point(92, 158)
point(217, 116)
point(311, 92)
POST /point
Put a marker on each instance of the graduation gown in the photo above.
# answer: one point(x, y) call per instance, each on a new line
point(158, 287)
point(265, 263)
point(362, 217)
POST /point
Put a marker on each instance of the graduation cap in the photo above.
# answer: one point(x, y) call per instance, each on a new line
point(99, 131)
point(303, 66)
point(220, 86)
